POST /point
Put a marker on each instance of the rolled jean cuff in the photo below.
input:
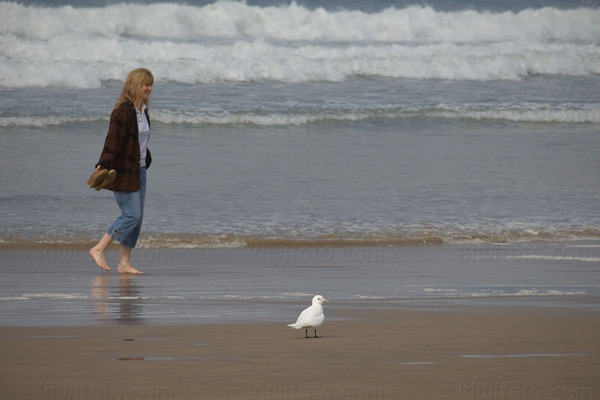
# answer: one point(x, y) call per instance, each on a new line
point(126, 228)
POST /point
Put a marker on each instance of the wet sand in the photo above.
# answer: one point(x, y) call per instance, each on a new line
point(466, 353)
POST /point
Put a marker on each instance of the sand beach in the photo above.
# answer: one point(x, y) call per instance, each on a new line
point(72, 331)
point(501, 353)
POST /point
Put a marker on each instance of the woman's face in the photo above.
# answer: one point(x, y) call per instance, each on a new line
point(145, 91)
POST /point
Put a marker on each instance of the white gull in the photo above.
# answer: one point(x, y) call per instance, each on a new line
point(311, 317)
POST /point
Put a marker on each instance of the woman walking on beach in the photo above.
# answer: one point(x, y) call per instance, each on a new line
point(126, 151)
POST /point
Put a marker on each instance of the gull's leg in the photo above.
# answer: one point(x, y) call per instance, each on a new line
point(306, 332)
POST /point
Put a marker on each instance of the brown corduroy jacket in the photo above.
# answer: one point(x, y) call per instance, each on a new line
point(121, 150)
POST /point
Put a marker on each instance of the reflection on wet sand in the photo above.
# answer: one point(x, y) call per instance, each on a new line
point(116, 299)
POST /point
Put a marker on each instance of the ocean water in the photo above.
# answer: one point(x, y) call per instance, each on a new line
point(300, 148)
point(362, 123)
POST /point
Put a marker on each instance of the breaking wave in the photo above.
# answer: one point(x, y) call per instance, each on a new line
point(425, 237)
point(233, 41)
point(535, 113)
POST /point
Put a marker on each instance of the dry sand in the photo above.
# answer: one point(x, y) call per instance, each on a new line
point(471, 353)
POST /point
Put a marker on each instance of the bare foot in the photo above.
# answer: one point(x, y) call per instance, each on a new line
point(127, 269)
point(98, 256)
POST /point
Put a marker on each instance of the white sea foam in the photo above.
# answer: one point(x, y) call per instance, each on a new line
point(233, 41)
point(515, 113)
point(417, 363)
point(435, 290)
point(480, 292)
point(43, 121)
point(52, 296)
point(556, 258)
point(526, 355)
point(234, 19)
point(547, 292)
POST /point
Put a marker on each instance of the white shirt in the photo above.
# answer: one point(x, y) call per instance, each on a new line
point(143, 133)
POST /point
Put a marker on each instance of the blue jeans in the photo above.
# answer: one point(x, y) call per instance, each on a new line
point(126, 228)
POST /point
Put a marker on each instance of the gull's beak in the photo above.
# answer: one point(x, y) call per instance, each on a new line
point(325, 301)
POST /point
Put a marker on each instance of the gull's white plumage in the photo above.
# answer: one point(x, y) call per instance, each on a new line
point(311, 317)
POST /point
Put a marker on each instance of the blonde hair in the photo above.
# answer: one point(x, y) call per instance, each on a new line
point(131, 89)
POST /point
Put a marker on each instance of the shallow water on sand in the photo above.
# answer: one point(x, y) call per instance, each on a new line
point(273, 285)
